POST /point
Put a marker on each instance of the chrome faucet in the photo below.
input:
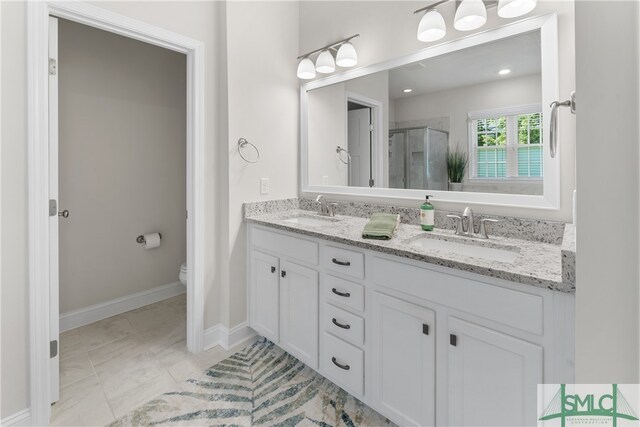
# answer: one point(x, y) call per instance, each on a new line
point(470, 229)
point(466, 227)
point(325, 208)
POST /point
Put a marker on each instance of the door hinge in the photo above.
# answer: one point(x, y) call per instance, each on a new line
point(53, 348)
point(370, 128)
point(53, 67)
point(53, 207)
point(425, 329)
point(371, 182)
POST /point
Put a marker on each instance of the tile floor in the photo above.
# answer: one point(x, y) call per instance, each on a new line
point(112, 366)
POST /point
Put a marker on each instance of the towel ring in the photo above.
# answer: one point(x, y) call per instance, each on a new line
point(338, 150)
point(242, 142)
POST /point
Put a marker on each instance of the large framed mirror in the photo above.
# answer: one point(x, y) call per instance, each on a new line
point(466, 121)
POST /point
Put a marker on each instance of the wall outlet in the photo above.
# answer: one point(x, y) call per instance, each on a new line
point(264, 185)
point(325, 179)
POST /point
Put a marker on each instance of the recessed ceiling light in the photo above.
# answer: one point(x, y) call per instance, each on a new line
point(407, 90)
point(504, 72)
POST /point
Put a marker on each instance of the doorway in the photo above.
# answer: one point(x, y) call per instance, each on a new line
point(364, 143)
point(43, 218)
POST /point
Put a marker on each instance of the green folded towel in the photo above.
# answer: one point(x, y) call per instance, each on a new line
point(381, 226)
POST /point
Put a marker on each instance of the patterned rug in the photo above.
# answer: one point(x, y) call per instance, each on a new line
point(259, 385)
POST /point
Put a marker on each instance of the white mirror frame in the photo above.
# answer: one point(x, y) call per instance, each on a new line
point(550, 200)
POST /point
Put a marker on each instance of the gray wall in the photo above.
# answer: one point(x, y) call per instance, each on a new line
point(607, 176)
point(198, 20)
point(122, 164)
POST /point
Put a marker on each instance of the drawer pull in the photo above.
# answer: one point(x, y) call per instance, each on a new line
point(341, 294)
point(340, 325)
point(345, 263)
point(453, 340)
point(340, 365)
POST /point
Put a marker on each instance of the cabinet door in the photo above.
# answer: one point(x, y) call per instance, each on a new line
point(403, 361)
point(264, 295)
point(299, 312)
point(492, 377)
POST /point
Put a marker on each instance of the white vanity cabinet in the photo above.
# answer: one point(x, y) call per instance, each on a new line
point(491, 373)
point(299, 312)
point(404, 363)
point(421, 344)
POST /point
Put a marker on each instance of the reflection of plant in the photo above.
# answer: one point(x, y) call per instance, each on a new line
point(456, 165)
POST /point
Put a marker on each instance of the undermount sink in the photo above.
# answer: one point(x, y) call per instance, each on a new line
point(493, 252)
point(311, 220)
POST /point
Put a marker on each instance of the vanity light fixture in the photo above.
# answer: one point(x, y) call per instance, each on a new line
point(345, 56)
point(515, 8)
point(306, 69)
point(504, 71)
point(431, 27)
point(325, 63)
point(470, 15)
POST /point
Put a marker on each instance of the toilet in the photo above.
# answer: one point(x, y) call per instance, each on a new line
point(183, 273)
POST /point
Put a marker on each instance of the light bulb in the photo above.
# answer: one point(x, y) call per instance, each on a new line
point(515, 8)
point(325, 63)
point(431, 27)
point(347, 56)
point(306, 69)
point(471, 14)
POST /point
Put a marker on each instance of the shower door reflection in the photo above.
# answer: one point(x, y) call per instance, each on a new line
point(418, 159)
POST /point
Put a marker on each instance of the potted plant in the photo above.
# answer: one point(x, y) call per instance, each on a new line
point(456, 166)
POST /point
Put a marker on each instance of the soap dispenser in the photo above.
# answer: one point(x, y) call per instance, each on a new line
point(427, 217)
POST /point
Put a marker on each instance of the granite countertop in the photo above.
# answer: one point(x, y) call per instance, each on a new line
point(537, 264)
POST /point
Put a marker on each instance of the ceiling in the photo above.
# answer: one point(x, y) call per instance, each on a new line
point(474, 65)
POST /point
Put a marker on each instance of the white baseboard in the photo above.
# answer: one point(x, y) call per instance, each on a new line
point(227, 338)
point(22, 418)
point(84, 316)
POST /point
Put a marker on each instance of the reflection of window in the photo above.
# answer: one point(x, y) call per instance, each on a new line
point(506, 144)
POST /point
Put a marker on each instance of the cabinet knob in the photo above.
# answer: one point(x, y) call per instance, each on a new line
point(425, 329)
point(273, 269)
point(283, 273)
point(453, 340)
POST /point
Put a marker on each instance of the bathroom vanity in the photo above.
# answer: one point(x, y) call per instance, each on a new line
point(422, 334)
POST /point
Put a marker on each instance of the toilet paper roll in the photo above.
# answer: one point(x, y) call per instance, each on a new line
point(151, 240)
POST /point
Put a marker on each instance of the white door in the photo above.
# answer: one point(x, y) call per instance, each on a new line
point(54, 309)
point(358, 145)
point(299, 312)
point(265, 292)
point(403, 361)
point(492, 377)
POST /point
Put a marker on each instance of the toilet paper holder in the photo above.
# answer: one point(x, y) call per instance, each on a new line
point(140, 238)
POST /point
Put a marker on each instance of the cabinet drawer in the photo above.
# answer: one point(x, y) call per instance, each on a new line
point(344, 324)
point(510, 307)
point(343, 292)
point(350, 263)
point(292, 247)
point(343, 364)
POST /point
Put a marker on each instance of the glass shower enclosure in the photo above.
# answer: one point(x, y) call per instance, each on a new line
point(418, 158)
